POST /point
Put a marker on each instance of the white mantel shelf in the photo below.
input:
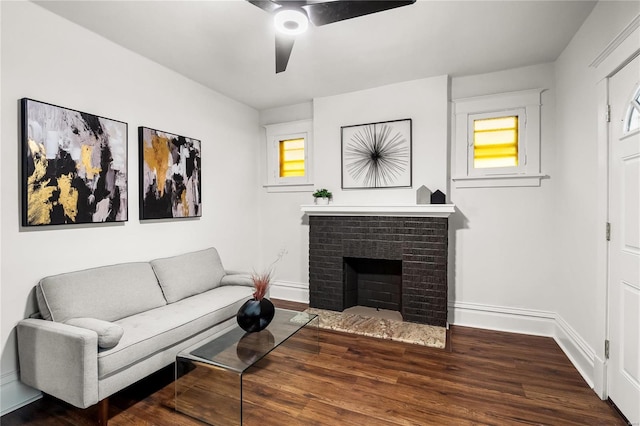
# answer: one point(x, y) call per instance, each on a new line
point(415, 210)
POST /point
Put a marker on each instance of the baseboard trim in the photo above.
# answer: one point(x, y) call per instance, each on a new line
point(500, 318)
point(537, 323)
point(600, 377)
point(581, 355)
point(289, 290)
point(14, 394)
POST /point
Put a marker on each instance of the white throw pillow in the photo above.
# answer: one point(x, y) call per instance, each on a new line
point(237, 279)
point(109, 334)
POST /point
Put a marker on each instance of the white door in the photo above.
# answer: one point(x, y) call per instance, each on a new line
point(623, 370)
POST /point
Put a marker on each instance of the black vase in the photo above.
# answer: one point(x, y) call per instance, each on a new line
point(255, 315)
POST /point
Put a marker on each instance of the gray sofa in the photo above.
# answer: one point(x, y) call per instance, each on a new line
point(105, 328)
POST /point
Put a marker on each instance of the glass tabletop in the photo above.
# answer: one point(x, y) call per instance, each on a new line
point(238, 350)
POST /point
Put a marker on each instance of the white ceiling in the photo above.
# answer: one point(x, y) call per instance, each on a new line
point(229, 45)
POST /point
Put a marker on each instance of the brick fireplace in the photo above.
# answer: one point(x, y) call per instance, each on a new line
point(346, 240)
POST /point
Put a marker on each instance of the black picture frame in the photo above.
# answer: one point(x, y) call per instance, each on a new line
point(377, 155)
point(170, 168)
point(73, 166)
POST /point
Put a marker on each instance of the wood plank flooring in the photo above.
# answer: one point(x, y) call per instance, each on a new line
point(481, 378)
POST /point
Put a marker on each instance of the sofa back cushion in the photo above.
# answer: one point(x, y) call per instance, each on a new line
point(108, 293)
point(188, 274)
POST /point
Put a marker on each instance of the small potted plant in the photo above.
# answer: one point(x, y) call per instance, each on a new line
point(322, 196)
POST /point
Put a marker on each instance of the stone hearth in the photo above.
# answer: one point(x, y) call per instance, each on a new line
point(418, 240)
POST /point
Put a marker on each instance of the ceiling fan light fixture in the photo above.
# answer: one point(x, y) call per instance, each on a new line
point(291, 21)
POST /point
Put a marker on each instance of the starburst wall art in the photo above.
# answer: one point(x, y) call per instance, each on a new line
point(376, 155)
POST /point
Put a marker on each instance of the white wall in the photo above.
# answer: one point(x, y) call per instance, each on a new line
point(47, 58)
point(297, 112)
point(503, 237)
point(578, 232)
point(424, 101)
point(526, 259)
point(281, 223)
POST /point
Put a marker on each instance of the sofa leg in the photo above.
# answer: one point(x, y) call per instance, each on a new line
point(103, 412)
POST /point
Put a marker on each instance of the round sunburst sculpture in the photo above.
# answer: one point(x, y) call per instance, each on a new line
point(376, 155)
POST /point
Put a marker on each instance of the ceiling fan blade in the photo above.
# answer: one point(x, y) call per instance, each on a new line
point(284, 45)
point(267, 5)
point(273, 5)
point(334, 11)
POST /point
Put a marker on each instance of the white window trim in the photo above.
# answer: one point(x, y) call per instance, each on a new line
point(527, 173)
point(282, 131)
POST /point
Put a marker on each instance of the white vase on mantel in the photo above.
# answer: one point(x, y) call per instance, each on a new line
point(321, 201)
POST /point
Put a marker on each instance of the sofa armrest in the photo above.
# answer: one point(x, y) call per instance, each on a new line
point(59, 359)
point(237, 278)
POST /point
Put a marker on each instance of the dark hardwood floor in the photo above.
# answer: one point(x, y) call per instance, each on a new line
point(482, 378)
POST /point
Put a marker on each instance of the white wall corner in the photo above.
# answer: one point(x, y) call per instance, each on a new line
point(288, 290)
point(600, 377)
point(14, 394)
point(581, 355)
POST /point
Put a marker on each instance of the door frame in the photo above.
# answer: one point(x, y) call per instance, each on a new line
point(618, 53)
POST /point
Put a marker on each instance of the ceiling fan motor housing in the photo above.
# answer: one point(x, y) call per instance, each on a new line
point(291, 20)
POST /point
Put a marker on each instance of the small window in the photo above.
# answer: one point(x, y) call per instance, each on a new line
point(497, 140)
point(291, 157)
point(496, 145)
point(632, 121)
point(288, 152)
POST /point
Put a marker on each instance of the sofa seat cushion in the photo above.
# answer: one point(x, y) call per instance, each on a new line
point(153, 331)
point(188, 274)
point(107, 293)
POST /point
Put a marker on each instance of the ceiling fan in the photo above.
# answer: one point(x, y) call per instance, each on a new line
point(292, 17)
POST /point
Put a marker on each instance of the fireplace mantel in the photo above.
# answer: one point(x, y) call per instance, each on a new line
point(403, 210)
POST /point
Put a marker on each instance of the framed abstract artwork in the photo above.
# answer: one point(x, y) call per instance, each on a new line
point(170, 175)
point(74, 166)
point(376, 155)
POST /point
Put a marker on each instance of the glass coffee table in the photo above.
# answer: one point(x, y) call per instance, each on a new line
point(209, 374)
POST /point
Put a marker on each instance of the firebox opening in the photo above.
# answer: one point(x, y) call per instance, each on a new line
point(375, 283)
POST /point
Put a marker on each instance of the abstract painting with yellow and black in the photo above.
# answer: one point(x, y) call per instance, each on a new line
point(170, 175)
point(74, 166)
